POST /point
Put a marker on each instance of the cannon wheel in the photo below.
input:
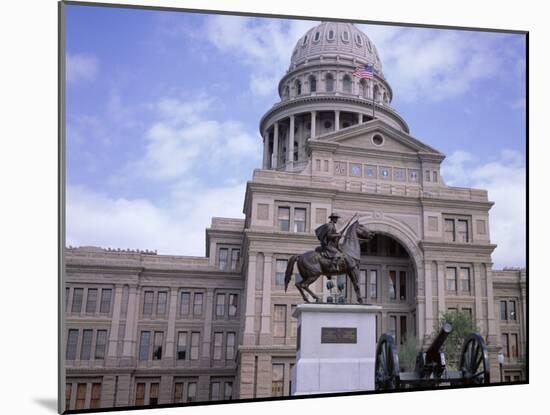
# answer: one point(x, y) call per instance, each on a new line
point(474, 361)
point(386, 372)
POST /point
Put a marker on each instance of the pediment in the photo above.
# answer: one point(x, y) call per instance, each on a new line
point(362, 136)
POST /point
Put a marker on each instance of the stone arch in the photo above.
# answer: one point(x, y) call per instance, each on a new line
point(399, 232)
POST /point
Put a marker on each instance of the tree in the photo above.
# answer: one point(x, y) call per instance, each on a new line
point(463, 325)
point(407, 354)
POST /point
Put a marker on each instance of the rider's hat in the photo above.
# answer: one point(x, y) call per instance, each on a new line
point(334, 215)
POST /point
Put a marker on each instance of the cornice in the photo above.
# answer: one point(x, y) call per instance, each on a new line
point(471, 248)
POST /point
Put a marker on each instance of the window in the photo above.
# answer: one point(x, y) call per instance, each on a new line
point(218, 338)
point(100, 344)
point(512, 308)
point(451, 279)
point(197, 304)
point(157, 346)
point(468, 312)
point(503, 311)
point(345, 36)
point(465, 280)
point(78, 293)
point(392, 286)
point(373, 283)
point(148, 303)
point(505, 346)
point(81, 396)
point(235, 258)
point(228, 391)
point(279, 321)
point(293, 322)
point(192, 392)
point(105, 306)
point(514, 346)
point(329, 87)
point(68, 393)
point(184, 304)
point(91, 301)
point(195, 345)
point(233, 302)
point(277, 379)
point(402, 285)
point(330, 35)
point(86, 348)
point(144, 345)
point(67, 292)
point(162, 298)
point(457, 230)
point(346, 84)
point(393, 327)
point(298, 86)
point(449, 230)
point(284, 218)
point(72, 341)
point(434, 176)
point(215, 391)
point(95, 401)
point(304, 41)
point(223, 258)
point(312, 84)
point(230, 346)
point(280, 269)
point(317, 36)
point(299, 220)
point(178, 392)
point(154, 394)
point(220, 305)
point(140, 394)
point(182, 345)
point(358, 40)
point(402, 329)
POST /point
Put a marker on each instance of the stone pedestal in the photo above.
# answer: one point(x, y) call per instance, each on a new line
point(336, 347)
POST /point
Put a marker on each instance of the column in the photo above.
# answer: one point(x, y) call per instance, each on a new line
point(207, 328)
point(441, 286)
point(265, 331)
point(492, 328)
point(275, 156)
point(313, 124)
point(265, 161)
point(170, 334)
point(131, 323)
point(115, 322)
point(476, 280)
point(336, 120)
point(428, 298)
point(290, 147)
point(249, 335)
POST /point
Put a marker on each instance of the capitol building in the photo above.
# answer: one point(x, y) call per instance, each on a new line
point(145, 329)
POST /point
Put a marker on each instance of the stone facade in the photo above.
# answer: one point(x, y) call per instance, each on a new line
point(143, 328)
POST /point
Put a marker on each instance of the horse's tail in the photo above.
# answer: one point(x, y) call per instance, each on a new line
point(289, 268)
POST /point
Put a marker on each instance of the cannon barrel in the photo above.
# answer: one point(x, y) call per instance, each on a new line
point(432, 354)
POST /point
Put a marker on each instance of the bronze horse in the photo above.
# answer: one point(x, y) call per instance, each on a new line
point(311, 265)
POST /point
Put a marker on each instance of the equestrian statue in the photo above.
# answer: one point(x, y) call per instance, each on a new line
point(331, 258)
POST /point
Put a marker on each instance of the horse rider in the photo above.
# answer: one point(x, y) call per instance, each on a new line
point(329, 238)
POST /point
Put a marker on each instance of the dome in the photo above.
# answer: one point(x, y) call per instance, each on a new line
point(335, 38)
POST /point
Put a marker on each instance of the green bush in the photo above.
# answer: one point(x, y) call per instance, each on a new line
point(407, 354)
point(463, 325)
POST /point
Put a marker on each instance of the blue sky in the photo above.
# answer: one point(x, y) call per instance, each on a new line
point(163, 111)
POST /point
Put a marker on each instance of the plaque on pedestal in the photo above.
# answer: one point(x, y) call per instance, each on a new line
point(335, 350)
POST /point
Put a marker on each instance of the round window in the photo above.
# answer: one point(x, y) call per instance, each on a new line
point(377, 139)
point(327, 124)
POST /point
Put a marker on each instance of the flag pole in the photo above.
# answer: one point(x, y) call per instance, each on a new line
point(373, 93)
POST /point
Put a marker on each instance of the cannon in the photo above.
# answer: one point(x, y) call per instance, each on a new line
point(431, 368)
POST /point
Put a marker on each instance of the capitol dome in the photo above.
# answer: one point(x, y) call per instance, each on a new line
point(336, 39)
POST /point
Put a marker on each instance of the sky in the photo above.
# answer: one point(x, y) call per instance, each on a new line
point(163, 111)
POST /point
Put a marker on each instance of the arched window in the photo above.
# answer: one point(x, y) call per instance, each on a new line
point(330, 34)
point(385, 98)
point(317, 36)
point(376, 93)
point(329, 83)
point(304, 41)
point(369, 46)
point(363, 88)
point(285, 92)
point(358, 40)
point(345, 36)
point(346, 84)
point(312, 84)
point(298, 86)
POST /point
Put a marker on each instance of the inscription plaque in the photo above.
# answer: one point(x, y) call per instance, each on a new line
point(338, 335)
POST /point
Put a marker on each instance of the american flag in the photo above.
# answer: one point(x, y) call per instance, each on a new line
point(364, 71)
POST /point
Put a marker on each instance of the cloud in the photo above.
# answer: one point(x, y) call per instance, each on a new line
point(81, 67)
point(264, 45)
point(504, 178)
point(94, 218)
point(185, 138)
point(431, 64)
